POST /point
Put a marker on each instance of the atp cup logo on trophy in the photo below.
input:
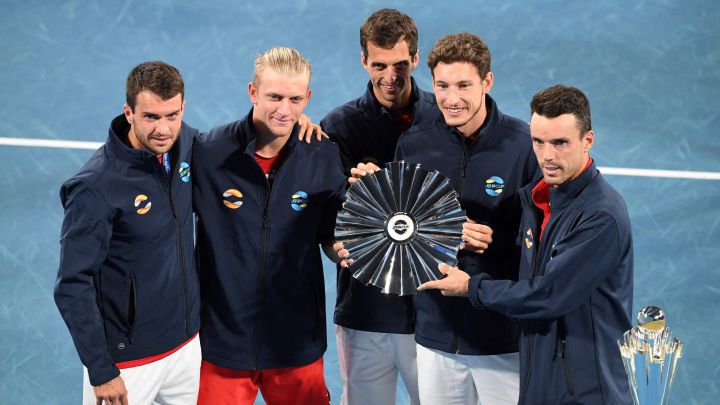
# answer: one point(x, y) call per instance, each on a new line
point(650, 354)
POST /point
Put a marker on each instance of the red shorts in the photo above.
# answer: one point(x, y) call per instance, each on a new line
point(279, 386)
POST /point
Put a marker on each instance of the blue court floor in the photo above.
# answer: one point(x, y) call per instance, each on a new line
point(650, 68)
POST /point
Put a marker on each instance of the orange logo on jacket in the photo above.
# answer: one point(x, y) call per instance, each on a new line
point(138, 200)
point(529, 238)
point(233, 198)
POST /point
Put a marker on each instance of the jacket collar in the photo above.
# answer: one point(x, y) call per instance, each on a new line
point(561, 196)
point(491, 120)
point(371, 104)
point(117, 137)
point(247, 136)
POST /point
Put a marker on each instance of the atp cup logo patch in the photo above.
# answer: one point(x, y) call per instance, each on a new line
point(184, 171)
point(139, 200)
point(299, 200)
point(494, 186)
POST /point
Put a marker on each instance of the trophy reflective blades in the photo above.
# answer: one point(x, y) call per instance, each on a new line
point(650, 354)
point(397, 224)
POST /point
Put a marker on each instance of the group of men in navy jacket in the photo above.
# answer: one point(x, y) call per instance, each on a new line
point(542, 290)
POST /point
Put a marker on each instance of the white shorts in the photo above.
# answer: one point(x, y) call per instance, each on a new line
point(369, 365)
point(174, 379)
point(447, 378)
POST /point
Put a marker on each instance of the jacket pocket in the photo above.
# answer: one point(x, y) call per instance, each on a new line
point(131, 308)
point(566, 367)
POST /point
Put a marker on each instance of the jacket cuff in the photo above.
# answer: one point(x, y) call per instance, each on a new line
point(474, 289)
point(101, 375)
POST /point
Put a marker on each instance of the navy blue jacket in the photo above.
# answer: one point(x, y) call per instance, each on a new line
point(574, 296)
point(127, 286)
point(487, 174)
point(261, 274)
point(364, 131)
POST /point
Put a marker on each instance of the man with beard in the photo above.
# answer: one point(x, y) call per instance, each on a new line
point(127, 286)
point(374, 330)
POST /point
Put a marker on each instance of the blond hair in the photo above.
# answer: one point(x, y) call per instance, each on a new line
point(287, 61)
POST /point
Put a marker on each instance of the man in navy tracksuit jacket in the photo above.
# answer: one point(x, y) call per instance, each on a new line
point(487, 156)
point(127, 286)
point(374, 330)
point(574, 296)
point(264, 202)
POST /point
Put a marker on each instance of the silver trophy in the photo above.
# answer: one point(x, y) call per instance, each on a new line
point(398, 224)
point(650, 354)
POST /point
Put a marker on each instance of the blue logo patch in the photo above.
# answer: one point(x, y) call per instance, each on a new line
point(184, 172)
point(299, 200)
point(494, 186)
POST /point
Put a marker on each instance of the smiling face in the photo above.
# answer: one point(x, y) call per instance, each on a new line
point(460, 95)
point(154, 123)
point(562, 150)
point(278, 101)
point(390, 71)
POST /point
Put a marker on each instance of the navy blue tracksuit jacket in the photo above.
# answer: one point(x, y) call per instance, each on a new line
point(127, 287)
point(364, 131)
point(487, 175)
point(261, 273)
point(574, 296)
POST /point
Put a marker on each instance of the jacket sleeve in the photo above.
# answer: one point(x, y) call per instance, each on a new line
point(343, 142)
point(578, 264)
point(326, 231)
point(84, 241)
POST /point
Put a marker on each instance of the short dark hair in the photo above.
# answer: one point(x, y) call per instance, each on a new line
point(386, 27)
point(558, 100)
point(155, 76)
point(462, 47)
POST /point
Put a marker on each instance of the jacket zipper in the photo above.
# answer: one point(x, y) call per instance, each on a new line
point(463, 168)
point(263, 253)
point(526, 376)
point(167, 190)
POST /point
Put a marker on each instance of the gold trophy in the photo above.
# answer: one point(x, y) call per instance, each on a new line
point(650, 354)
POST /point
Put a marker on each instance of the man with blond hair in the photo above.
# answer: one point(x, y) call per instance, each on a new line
point(265, 201)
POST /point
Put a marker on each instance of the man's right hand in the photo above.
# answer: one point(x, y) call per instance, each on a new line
point(362, 169)
point(341, 254)
point(112, 392)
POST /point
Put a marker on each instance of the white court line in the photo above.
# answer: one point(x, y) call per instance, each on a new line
point(617, 171)
point(673, 174)
point(49, 143)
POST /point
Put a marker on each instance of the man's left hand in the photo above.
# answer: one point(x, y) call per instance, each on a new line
point(307, 128)
point(455, 283)
point(477, 237)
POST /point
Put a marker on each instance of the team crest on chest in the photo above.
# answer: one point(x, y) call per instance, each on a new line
point(139, 200)
point(232, 198)
point(529, 238)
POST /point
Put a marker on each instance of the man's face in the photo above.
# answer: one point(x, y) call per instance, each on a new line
point(460, 95)
point(561, 150)
point(390, 71)
point(155, 123)
point(279, 100)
